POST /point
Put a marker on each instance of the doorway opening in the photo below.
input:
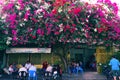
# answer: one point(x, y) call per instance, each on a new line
point(91, 63)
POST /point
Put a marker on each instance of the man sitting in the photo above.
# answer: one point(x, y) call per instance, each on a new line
point(32, 72)
point(49, 70)
point(22, 72)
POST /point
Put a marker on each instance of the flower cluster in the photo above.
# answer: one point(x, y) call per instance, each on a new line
point(61, 21)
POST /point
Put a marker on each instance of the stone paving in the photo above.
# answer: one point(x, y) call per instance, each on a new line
point(84, 76)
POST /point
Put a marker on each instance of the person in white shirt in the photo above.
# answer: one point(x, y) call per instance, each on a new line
point(49, 68)
point(22, 72)
point(32, 68)
point(27, 65)
point(23, 68)
point(32, 72)
point(10, 69)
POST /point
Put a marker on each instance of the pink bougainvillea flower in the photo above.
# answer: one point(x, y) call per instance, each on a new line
point(115, 8)
point(67, 26)
point(74, 25)
point(20, 1)
point(34, 37)
point(99, 0)
point(100, 12)
point(54, 11)
point(81, 19)
point(12, 17)
point(59, 3)
point(27, 14)
point(48, 31)
point(35, 20)
point(103, 20)
point(57, 33)
point(72, 30)
point(76, 10)
point(99, 30)
point(87, 35)
point(9, 6)
point(14, 32)
point(117, 29)
point(12, 26)
point(14, 38)
point(40, 32)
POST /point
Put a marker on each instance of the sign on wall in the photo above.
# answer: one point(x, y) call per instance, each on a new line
point(28, 50)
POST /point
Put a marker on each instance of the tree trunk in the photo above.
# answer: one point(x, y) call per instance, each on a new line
point(62, 54)
point(65, 64)
point(64, 58)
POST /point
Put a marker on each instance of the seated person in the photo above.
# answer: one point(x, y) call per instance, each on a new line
point(13, 70)
point(23, 72)
point(27, 65)
point(44, 66)
point(59, 70)
point(32, 68)
point(10, 69)
point(32, 72)
point(23, 68)
point(49, 68)
point(79, 68)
